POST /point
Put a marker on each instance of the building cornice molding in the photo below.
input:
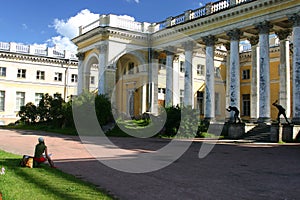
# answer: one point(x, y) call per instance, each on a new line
point(34, 58)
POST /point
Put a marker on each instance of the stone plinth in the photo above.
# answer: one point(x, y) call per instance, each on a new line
point(284, 132)
point(235, 131)
point(276, 133)
point(217, 128)
point(290, 132)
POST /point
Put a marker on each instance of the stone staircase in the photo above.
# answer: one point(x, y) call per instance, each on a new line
point(260, 133)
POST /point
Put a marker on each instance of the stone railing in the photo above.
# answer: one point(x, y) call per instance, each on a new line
point(34, 50)
point(121, 22)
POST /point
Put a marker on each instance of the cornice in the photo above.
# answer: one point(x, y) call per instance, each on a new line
point(34, 58)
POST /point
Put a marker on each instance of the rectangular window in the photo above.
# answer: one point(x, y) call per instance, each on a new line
point(181, 97)
point(92, 80)
point(40, 75)
point(246, 104)
point(20, 100)
point(162, 90)
point(58, 76)
point(74, 78)
point(217, 103)
point(2, 100)
point(200, 102)
point(246, 74)
point(2, 71)
point(38, 97)
point(21, 73)
point(200, 70)
point(182, 67)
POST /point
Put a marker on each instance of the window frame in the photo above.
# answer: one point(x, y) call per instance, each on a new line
point(58, 76)
point(20, 100)
point(40, 75)
point(21, 73)
point(2, 71)
point(2, 100)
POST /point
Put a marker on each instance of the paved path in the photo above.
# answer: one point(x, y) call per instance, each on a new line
point(230, 171)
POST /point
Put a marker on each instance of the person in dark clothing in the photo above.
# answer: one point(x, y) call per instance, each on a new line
point(236, 113)
point(40, 149)
point(281, 111)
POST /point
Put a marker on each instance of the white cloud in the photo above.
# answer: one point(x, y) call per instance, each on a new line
point(68, 29)
point(201, 4)
point(127, 17)
point(136, 1)
point(24, 26)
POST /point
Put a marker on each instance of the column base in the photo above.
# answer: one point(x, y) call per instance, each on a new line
point(264, 120)
point(296, 121)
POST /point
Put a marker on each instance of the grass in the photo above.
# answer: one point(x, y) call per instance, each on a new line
point(43, 127)
point(20, 183)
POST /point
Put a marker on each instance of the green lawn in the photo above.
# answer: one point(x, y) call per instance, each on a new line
point(20, 183)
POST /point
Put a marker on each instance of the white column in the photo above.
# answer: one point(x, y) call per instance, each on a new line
point(176, 77)
point(254, 78)
point(234, 82)
point(144, 98)
point(169, 77)
point(153, 76)
point(188, 76)
point(295, 18)
point(284, 70)
point(80, 73)
point(264, 72)
point(209, 106)
point(229, 115)
point(101, 67)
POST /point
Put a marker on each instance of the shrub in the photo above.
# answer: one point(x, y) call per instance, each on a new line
point(28, 113)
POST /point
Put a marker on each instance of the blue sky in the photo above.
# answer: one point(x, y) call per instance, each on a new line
point(56, 21)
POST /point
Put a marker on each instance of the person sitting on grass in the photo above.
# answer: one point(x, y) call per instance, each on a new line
point(41, 148)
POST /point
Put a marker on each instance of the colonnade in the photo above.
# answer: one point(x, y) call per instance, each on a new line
point(260, 80)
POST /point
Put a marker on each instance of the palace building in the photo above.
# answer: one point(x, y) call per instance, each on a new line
point(27, 72)
point(242, 53)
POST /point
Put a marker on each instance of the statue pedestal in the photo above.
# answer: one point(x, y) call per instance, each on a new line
point(276, 133)
point(284, 132)
point(236, 130)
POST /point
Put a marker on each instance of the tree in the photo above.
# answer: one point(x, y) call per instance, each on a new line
point(28, 113)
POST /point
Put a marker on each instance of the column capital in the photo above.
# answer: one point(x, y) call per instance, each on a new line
point(253, 40)
point(283, 34)
point(295, 19)
point(263, 27)
point(209, 40)
point(170, 50)
point(102, 47)
point(188, 46)
point(235, 34)
point(80, 56)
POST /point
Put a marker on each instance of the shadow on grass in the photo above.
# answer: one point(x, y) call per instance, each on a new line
point(43, 183)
